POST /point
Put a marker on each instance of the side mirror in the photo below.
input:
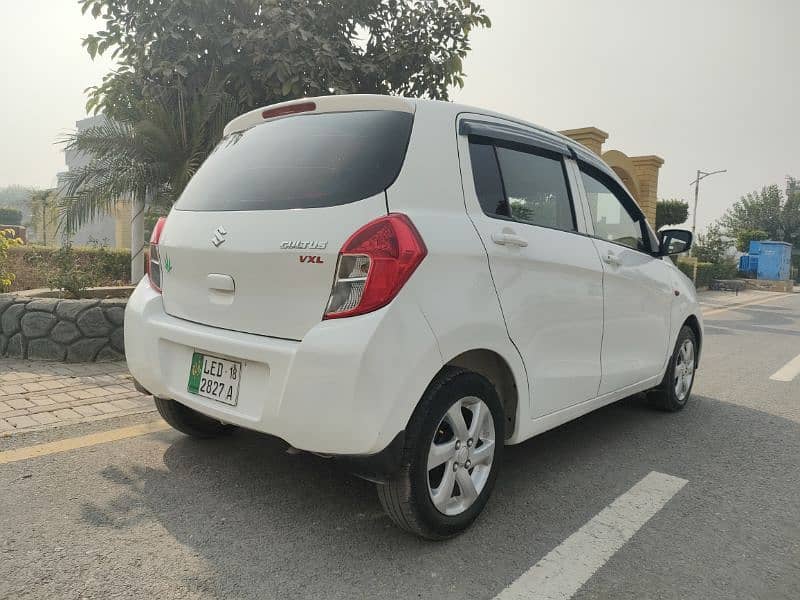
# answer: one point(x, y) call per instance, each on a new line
point(674, 241)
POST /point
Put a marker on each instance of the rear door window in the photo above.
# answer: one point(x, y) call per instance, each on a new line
point(304, 161)
point(522, 183)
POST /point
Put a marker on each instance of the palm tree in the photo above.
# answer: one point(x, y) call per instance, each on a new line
point(145, 158)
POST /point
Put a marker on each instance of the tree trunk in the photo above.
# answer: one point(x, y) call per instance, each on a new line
point(137, 238)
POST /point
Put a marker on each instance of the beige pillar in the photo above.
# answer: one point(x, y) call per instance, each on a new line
point(647, 168)
point(591, 137)
point(122, 225)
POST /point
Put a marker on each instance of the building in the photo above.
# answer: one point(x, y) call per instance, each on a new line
point(638, 173)
point(107, 230)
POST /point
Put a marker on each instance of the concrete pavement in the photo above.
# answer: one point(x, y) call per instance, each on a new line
point(162, 515)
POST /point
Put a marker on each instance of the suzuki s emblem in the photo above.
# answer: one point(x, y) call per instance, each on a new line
point(219, 237)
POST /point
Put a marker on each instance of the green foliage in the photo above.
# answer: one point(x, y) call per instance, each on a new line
point(10, 216)
point(149, 155)
point(772, 211)
point(712, 246)
point(671, 212)
point(75, 269)
point(185, 68)
point(266, 52)
point(7, 240)
point(44, 215)
point(708, 272)
point(745, 236)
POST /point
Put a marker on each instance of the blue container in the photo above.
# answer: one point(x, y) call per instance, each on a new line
point(755, 247)
point(774, 260)
point(744, 263)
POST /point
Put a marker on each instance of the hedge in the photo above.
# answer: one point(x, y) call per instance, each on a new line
point(10, 216)
point(708, 272)
point(32, 265)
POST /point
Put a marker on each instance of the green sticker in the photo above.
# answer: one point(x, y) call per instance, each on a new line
point(167, 263)
point(195, 373)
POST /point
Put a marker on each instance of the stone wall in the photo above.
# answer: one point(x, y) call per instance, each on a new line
point(770, 285)
point(65, 330)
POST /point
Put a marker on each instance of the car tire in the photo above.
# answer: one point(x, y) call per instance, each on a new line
point(434, 432)
point(676, 387)
point(189, 421)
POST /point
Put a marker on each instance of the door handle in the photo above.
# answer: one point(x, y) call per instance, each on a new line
point(612, 259)
point(508, 238)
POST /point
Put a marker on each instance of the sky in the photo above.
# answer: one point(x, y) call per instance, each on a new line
point(705, 84)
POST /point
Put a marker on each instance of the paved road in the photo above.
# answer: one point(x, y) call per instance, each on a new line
point(164, 516)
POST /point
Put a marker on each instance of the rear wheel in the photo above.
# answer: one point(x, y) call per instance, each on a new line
point(454, 443)
point(189, 421)
point(674, 391)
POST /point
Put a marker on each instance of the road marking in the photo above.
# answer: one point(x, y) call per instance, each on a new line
point(788, 371)
point(83, 441)
point(566, 568)
point(744, 304)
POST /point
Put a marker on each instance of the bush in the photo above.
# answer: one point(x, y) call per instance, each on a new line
point(8, 240)
point(708, 272)
point(75, 268)
point(10, 216)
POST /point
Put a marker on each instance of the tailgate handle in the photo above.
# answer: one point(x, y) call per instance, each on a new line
point(220, 282)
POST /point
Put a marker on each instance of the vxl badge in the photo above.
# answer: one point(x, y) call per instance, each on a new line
point(219, 237)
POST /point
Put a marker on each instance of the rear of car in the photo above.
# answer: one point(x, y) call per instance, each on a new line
point(272, 280)
point(330, 276)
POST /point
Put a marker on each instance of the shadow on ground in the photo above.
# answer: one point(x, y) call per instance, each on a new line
point(271, 525)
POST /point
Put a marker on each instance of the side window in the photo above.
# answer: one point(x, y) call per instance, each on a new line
point(521, 184)
point(486, 175)
point(536, 188)
point(613, 221)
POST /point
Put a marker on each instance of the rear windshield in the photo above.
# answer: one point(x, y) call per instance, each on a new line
point(305, 161)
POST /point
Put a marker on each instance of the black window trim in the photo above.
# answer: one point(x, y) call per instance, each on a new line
point(527, 148)
point(510, 133)
point(628, 203)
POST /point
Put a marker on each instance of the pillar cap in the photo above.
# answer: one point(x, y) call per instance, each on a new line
point(650, 160)
point(592, 133)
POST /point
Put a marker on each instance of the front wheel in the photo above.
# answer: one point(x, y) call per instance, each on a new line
point(676, 387)
point(453, 448)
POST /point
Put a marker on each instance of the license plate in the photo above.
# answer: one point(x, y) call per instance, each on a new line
point(215, 378)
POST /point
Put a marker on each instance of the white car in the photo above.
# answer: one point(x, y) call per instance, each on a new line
point(406, 286)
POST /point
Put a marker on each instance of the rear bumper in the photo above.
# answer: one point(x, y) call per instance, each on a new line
point(348, 388)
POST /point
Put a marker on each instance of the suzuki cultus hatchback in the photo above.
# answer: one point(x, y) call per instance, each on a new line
point(407, 286)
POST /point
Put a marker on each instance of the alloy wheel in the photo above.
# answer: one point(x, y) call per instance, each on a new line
point(684, 370)
point(460, 456)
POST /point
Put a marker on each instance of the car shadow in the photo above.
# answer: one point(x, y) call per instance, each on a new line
point(271, 524)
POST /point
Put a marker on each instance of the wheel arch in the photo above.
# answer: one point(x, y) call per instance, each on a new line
point(693, 323)
point(496, 369)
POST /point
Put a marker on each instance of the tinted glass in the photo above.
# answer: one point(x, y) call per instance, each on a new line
point(536, 188)
point(488, 184)
point(305, 161)
point(612, 220)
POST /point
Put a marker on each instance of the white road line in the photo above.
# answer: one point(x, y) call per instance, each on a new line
point(788, 371)
point(566, 568)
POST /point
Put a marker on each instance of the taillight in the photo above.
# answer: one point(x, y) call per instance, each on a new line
point(154, 261)
point(374, 264)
